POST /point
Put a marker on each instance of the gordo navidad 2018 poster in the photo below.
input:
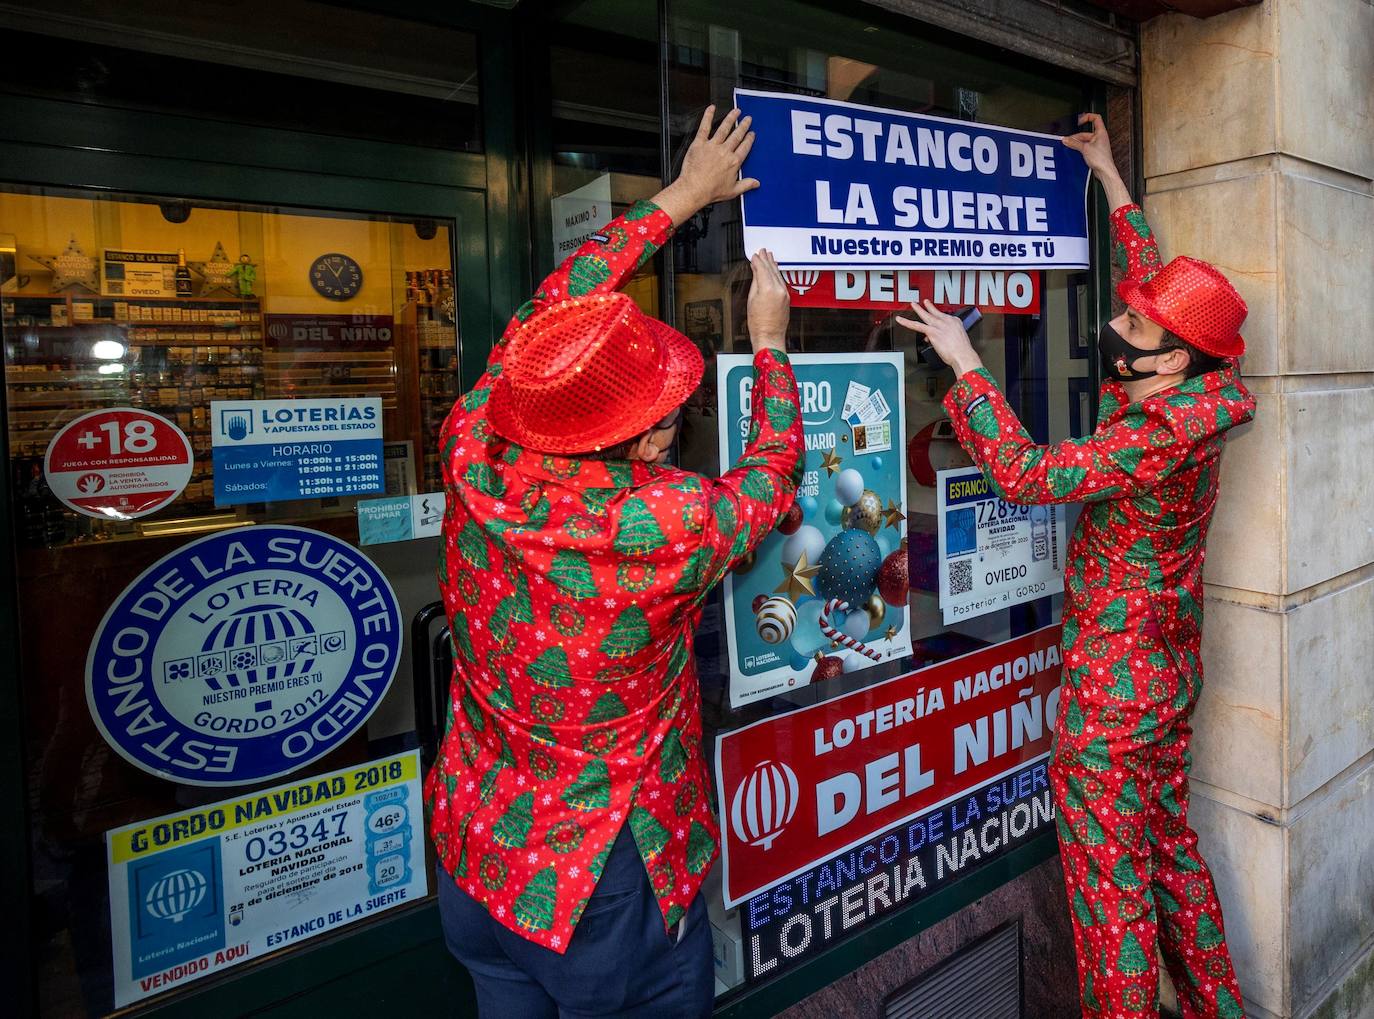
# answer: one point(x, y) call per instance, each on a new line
point(826, 592)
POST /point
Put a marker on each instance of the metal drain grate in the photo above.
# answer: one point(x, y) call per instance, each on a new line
point(983, 981)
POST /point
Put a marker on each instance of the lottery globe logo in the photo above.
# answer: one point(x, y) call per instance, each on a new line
point(241, 639)
point(244, 656)
point(764, 803)
point(176, 894)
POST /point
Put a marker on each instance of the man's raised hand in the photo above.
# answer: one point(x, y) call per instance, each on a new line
point(946, 335)
point(710, 170)
point(770, 304)
point(1092, 141)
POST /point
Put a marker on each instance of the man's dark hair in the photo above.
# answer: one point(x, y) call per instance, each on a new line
point(620, 451)
point(1199, 362)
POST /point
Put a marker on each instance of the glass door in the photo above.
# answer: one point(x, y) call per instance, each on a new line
point(221, 447)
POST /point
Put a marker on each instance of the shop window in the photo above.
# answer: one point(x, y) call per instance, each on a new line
point(154, 350)
point(1039, 357)
point(93, 319)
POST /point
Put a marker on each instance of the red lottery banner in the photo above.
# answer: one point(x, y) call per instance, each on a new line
point(330, 332)
point(118, 464)
point(798, 788)
point(991, 291)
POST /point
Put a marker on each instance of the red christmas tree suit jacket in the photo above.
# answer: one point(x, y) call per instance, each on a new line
point(1149, 475)
point(573, 589)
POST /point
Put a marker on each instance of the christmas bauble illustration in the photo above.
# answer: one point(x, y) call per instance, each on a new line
point(807, 539)
point(855, 624)
point(849, 567)
point(806, 635)
point(827, 667)
point(849, 486)
point(894, 580)
point(791, 520)
point(875, 608)
point(866, 514)
point(775, 620)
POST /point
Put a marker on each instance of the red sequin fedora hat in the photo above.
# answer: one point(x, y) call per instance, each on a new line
point(1193, 300)
point(590, 372)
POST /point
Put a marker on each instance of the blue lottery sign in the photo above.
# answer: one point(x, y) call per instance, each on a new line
point(847, 186)
point(244, 655)
point(274, 450)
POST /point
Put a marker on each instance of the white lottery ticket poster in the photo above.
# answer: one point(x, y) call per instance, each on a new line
point(197, 892)
point(994, 553)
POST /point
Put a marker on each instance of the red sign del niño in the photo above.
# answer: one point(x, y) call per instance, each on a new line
point(800, 787)
point(992, 291)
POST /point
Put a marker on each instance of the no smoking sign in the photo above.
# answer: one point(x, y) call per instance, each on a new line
point(118, 464)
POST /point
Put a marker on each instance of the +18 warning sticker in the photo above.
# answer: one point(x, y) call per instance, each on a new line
point(118, 464)
point(244, 655)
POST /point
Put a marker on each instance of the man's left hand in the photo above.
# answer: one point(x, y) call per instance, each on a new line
point(710, 170)
point(946, 335)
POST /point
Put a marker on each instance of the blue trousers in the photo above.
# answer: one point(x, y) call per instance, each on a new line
point(620, 961)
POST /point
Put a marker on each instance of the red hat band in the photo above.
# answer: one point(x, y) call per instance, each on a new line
point(590, 372)
point(1193, 300)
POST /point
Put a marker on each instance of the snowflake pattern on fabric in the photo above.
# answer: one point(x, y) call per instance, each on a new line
point(1132, 665)
point(573, 588)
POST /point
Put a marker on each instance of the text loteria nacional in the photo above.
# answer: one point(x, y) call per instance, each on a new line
point(798, 788)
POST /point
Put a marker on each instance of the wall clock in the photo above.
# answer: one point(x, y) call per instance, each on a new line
point(336, 277)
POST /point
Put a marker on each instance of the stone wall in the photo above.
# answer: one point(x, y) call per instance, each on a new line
point(1258, 140)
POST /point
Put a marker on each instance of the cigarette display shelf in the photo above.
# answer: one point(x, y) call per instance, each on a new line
point(175, 356)
point(437, 344)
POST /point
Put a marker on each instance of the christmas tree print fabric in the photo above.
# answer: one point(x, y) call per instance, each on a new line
point(1132, 665)
point(573, 588)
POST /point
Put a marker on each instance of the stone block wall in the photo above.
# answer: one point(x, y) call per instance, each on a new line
point(1258, 141)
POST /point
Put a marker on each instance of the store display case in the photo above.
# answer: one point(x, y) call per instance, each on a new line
point(135, 324)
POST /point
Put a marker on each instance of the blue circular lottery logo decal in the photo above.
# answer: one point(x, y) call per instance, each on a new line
point(244, 656)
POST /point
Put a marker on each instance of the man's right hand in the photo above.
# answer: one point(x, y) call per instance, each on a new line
point(770, 304)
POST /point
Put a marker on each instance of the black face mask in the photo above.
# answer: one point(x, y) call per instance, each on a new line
point(1119, 357)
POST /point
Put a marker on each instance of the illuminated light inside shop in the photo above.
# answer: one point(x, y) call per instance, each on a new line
point(107, 350)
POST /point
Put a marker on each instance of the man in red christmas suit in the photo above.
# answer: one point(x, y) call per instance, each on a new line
point(568, 804)
point(1132, 606)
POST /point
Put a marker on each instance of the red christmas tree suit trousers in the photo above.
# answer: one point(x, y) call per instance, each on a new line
point(1132, 666)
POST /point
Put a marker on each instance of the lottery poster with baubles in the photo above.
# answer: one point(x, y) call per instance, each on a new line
point(826, 592)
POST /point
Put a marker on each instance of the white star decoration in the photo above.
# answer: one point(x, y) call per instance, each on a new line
point(72, 268)
point(216, 273)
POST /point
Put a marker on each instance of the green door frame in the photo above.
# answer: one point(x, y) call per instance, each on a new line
point(397, 960)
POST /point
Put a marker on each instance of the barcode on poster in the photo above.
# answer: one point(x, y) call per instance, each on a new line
point(961, 576)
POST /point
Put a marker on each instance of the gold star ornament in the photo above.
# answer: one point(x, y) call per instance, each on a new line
point(218, 273)
point(893, 516)
point(796, 579)
point(890, 634)
point(72, 268)
point(831, 462)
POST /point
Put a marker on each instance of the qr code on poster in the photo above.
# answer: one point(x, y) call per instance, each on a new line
point(961, 576)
